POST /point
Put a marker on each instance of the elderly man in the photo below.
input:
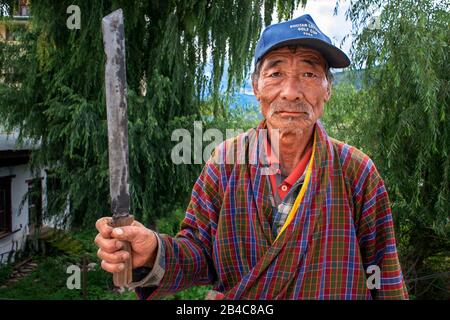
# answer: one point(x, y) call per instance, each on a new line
point(306, 217)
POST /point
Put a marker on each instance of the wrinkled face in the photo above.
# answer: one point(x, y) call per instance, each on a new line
point(292, 88)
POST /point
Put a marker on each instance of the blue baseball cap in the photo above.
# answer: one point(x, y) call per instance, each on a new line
point(300, 31)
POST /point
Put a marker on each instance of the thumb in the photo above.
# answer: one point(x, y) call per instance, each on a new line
point(127, 233)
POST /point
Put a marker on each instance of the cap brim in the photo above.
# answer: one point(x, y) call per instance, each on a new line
point(335, 57)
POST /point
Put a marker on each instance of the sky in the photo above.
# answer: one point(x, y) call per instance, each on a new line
point(334, 26)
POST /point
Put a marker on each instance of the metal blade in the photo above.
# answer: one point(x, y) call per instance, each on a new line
point(116, 90)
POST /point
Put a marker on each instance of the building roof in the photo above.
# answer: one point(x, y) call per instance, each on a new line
point(9, 141)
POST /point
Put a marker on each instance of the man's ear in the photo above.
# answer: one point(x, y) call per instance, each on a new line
point(255, 89)
point(329, 87)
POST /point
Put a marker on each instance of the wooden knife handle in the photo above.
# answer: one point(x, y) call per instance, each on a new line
point(124, 277)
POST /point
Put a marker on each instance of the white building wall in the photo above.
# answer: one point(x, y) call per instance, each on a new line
point(19, 208)
point(19, 188)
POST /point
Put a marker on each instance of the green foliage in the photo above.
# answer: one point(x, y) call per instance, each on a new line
point(48, 282)
point(170, 224)
point(5, 273)
point(345, 112)
point(53, 92)
point(194, 293)
point(407, 125)
point(61, 241)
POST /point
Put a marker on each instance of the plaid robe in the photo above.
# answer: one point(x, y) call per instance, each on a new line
point(342, 226)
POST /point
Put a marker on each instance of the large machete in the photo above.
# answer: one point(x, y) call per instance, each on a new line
point(116, 104)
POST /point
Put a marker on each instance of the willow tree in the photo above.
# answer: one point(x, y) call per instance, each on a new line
point(53, 91)
point(406, 53)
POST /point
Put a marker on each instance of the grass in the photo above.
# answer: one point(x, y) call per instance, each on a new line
point(49, 280)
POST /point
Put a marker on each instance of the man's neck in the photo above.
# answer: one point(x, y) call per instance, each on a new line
point(292, 147)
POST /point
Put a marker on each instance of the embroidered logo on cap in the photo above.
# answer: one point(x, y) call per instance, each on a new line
point(307, 28)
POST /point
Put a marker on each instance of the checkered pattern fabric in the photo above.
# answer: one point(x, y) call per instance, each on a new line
point(282, 207)
point(342, 226)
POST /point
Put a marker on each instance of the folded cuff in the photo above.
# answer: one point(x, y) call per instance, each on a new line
point(151, 277)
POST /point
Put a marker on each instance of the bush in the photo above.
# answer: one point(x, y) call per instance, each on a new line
point(5, 273)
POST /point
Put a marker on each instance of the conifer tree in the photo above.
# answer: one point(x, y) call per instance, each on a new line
point(53, 91)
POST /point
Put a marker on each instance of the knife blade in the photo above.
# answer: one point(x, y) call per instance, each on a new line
point(116, 104)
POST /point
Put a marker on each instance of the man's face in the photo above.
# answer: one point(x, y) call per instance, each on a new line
point(292, 88)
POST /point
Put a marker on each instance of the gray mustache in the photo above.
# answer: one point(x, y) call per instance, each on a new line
point(299, 106)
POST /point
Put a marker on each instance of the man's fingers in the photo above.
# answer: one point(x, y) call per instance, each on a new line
point(116, 257)
point(101, 222)
point(137, 224)
point(108, 245)
point(103, 227)
point(112, 267)
point(128, 233)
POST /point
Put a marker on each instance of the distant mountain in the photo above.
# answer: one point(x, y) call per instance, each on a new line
point(243, 99)
point(354, 77)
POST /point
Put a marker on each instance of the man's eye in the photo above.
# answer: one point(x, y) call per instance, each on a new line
point(309, 75)
point(275, 74)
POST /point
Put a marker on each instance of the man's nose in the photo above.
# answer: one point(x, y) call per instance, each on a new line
point(291, 89)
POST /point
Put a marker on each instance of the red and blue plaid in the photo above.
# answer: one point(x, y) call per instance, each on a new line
point(342, 226)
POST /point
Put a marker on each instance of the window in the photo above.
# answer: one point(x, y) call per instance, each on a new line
point(5, 205)
point(24, 8)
